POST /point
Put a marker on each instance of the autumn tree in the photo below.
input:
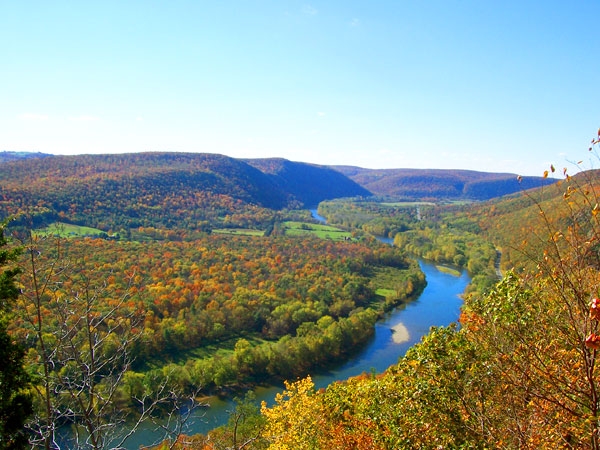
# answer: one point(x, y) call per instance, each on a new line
point(296, 421)
point(537, 328)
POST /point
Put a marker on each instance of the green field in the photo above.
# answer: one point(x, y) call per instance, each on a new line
point(222, 349)
point(68, 230)
point(391, 293)
point(239, 231)
point(406, 204)
point(293, 228)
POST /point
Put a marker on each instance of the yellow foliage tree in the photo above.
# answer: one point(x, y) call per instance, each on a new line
point(296, 421)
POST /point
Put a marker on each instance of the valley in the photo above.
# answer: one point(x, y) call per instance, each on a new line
point(150, 281)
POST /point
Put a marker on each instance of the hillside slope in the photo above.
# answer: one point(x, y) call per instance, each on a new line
point(309, 183)
point(424, 184)
point(519, 225)
point(183, 190)
point(203, 191)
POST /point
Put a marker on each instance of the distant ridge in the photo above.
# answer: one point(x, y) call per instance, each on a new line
point(439, 184)
point(13, 156)
point(207, 190)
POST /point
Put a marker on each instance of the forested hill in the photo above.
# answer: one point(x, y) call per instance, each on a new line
point(308, 182)
point(425, 184)
point(519, 225)
point(204, 191)
point(160, 189)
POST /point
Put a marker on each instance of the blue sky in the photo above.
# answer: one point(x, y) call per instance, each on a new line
point(500, 86)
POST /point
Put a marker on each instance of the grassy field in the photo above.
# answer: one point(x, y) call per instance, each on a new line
point(406, 204)
point(68, 230)
point(221, 349)
point(239, 231)
point(391, 293)
point(323, 231)
point(385, 279)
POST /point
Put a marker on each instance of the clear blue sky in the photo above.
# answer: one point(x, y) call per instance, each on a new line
point(501, 86)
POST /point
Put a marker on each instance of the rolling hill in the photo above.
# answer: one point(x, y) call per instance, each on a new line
point(184, 190)
point(519, 225)
point(435, 184)
point(203, 191)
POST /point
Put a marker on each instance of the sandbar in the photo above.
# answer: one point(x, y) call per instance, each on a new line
point(400, 333)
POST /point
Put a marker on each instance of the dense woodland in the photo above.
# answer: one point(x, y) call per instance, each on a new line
point(202, 191)
point(160, 308)
point(164, 190)
point(188, 295)
point(192, 314)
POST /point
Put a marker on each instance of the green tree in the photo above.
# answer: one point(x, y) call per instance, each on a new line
point(15, 402)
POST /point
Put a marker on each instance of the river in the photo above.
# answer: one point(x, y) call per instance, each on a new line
point(438, 305)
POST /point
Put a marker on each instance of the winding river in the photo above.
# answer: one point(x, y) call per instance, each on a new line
point(438, 305)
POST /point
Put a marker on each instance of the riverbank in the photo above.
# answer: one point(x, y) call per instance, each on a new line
point(438, 305)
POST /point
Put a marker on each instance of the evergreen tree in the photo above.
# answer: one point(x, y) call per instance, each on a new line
point(15, 403)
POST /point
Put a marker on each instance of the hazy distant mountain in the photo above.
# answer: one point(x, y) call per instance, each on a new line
point(438, 183)
point(12, 156)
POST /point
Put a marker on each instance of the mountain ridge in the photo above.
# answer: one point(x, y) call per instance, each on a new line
point(188, 190)
point(196, 190)
point(451, 184)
